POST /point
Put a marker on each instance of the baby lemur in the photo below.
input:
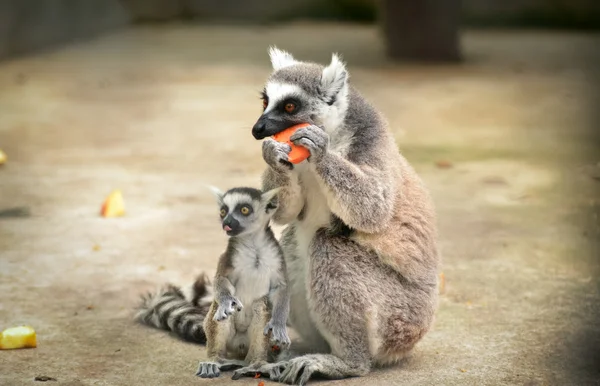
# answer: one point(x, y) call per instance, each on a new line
point(251, 298)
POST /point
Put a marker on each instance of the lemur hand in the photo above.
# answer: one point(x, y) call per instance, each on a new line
point(315, 139)
point(279, 334)
point(275, 155)
point(227, 306)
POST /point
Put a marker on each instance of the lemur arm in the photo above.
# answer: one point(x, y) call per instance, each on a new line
point(361, 196)
point(223, 289)
point(225, 297)
point(280, 299)
point(290, 201)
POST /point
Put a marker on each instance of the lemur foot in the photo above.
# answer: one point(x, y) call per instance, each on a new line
point(208, 370)
point(298, 371)
point(272, 370)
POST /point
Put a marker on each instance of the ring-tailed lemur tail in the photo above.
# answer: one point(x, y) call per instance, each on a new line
point(169, 309)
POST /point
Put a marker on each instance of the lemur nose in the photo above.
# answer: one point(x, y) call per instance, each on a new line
point(258, 129)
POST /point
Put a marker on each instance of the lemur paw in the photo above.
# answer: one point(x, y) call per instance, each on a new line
point(279, 335)
point(272, 370)
point(227, 307)
point(315, 139)
point(275, 155)
point(298, 371)
point(208, 370)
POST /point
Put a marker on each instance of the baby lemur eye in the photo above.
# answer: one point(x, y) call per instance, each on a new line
point(223, 213)
point(290, 108)
point(245, 210)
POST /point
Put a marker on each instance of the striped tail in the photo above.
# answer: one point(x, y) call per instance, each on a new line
point(168, 309)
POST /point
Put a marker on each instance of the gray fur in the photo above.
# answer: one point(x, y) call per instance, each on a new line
point(362, 259)
point(251, 299)
point(275, 154)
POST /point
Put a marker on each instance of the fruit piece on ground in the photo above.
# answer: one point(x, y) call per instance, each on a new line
point(443, 164)
point(113, 205)
point(18, 337)
point(442, 283)
point(3, 157)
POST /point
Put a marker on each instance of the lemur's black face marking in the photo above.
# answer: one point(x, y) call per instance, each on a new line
point(235, 221)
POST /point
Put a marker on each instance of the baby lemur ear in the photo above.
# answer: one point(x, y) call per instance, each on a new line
point(218, 194)
point(269, 199)
point(333, 80)
point(280, 58)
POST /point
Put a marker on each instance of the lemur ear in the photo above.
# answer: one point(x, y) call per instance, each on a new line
point(269, 199)
point(217, 192)
point(333, 80)
point(280, 58)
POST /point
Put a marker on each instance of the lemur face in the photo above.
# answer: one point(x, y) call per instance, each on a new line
point(284, 105)
point(245, 210)
point(301, 92)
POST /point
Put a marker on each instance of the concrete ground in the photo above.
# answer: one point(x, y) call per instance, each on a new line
point(506, 143)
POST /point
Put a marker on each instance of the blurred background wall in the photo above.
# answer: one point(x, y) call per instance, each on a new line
point(28, 25)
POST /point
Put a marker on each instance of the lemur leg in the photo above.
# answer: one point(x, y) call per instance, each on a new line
point(258, 351)
point(259, 348)
point(340, 302)
point(299, 317)
point(217, 335)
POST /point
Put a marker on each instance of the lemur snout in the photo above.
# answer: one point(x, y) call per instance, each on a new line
point(232, 226)
point(259, 129)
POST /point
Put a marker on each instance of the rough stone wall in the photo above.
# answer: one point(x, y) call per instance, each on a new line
point(29, 25)
point(557, 13)
point(547, 13)
point(250, 10)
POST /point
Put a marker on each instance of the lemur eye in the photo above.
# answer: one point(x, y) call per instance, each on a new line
point(265, 103)
point(290, 107)
point(245, 210)
point(223, 213)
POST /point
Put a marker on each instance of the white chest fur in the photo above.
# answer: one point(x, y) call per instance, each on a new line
point(316, 210)
point(257, 264)
point(316, 215)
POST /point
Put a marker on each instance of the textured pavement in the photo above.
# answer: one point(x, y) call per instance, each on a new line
point(507, 142)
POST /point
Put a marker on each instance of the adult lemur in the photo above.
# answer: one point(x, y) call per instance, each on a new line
point(360, 245)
